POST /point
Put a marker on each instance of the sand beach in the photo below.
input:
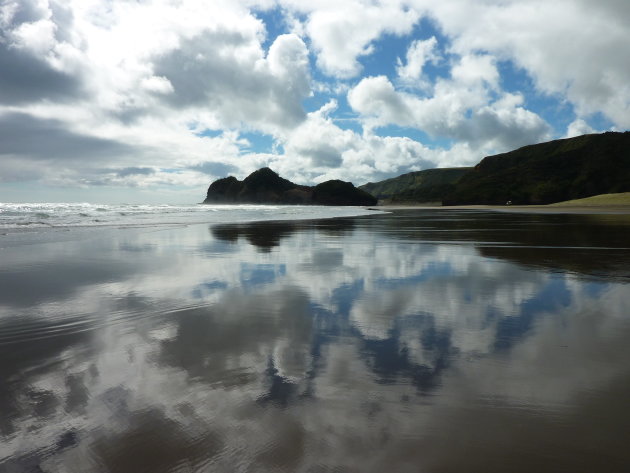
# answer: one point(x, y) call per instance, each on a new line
point(440, 339)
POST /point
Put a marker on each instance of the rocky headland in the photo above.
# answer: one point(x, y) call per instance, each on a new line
point(264, 186)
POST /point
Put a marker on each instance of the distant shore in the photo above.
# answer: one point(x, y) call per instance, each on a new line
point(551, 209)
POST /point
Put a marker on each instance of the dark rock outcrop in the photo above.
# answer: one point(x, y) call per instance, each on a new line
point(336, 192)
point(224, 190)
point(267, 187)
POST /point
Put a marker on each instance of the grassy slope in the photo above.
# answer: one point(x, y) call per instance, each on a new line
point(549, 172)
point(622, 198)
point(418, 186)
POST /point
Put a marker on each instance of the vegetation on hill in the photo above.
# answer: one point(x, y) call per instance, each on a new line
point(264, 186)
point(430, 185)
point(622, 199)
point(550, 172)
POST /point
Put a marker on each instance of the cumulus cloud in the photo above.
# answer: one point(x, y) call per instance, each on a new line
point(321, 150)
point(572, 48)
point(178, 85)
point(468, 107)
point(139, 84)
point(418, 54)
point(32, 49)
point(503, 125)
point(343, 32)
point(319, 140)
point(578, 127)
point(375, 97)
point(215, 71)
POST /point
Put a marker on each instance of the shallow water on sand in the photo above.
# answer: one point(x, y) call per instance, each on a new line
point(430, 341)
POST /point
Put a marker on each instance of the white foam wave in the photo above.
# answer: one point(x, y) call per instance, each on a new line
point(33, 215)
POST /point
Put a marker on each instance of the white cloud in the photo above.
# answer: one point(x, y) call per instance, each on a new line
point(476, 70)
point(341, 32)
point(150, 78)
point(319, 140)
point(468, 107)
point(157, 84)
point(142, 82)
point(37, 36)
point(419, 53)
point(376, 98)
point(578, 127)
point(318, 150)
point(572, 48)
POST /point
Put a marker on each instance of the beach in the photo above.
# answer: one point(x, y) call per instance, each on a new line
point(415, 339)
point(555, 208)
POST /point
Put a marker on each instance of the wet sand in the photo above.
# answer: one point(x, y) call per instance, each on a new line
point(419, 340)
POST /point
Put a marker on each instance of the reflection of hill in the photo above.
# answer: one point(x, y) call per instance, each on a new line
point(604, 264)
point(589, 245)
point(267, 235)
point(263, 235)
point(335, 226)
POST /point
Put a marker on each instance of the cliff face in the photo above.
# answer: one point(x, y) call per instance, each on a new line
point(266, 187)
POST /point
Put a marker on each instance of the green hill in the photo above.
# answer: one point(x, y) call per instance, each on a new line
point(550, 172)
point(430, 185)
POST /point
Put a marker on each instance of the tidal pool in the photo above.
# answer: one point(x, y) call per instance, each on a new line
point(416, 341)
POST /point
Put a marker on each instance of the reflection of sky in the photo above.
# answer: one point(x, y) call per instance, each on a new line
point(328, 344)
point(260, 274)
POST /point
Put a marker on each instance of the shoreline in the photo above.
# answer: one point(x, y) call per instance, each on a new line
point(547, 209)
point(130, 323)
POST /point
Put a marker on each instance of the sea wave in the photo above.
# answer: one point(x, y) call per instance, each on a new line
point(34, 215)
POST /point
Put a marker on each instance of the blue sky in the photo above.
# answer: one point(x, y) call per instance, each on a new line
point(150, 101)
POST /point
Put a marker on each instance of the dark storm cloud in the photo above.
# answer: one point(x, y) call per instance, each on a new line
point(26, 11)
point(26, 78)
point(197, 72)
point(325, 155)
point(30, 137)
point(134, 171)
point(214, 168)
point(64, 19)
point(205, 71)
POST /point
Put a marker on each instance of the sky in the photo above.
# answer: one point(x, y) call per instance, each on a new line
point(137, 101)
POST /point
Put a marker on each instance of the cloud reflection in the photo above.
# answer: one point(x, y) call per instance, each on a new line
point(338, 345)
